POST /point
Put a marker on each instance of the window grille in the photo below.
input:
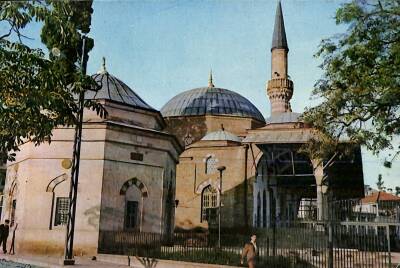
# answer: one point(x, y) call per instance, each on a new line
point(62, 209)
point(13, 208)
point(211, 165)
point(209, 202)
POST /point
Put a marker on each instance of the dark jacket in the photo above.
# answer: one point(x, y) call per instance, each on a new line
point(4, 230)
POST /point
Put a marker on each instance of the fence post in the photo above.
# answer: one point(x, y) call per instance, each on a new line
point(274, 239)
point(330, 245)
point(388, 244)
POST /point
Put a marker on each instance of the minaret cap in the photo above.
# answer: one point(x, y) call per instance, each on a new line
point(210, 80)
point(103, 69)
point(279, 37)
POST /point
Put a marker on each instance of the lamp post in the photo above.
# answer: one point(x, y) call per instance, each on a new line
point(69, 238)
point(220, 169)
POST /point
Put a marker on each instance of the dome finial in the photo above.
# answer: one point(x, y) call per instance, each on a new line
point(210, 79)
point(103, 69)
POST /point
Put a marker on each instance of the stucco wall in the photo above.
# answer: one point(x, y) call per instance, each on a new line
point(33, 170)
point(105, 165)
point(191, 180)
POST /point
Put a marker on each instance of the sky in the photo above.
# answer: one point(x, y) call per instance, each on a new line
point(162, 47)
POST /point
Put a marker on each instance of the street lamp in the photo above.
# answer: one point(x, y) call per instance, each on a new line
point(69, 239)
point(220, 169)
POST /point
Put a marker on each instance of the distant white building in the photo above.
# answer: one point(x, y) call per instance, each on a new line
point(379, 204)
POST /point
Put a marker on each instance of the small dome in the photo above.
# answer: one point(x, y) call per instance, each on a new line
point(111, 88)
point(283, 118)
point(221, 135)
point(211, 101)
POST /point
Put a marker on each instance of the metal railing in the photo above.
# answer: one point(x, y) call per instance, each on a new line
point(354, 234)
point(310, 244)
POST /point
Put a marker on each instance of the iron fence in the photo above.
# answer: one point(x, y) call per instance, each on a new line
point(362, 210)
point(353, 234)
point(303, 244)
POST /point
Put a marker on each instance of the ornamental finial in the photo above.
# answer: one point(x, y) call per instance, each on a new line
point(210, 80)
point(103, 69)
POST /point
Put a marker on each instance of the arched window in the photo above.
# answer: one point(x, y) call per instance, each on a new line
point(59, 203)
point(211, 165)
point(133, 203)
point(209, 204)
point(188, 139)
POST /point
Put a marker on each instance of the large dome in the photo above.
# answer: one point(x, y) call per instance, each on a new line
point(210, 101)
point(111, 88)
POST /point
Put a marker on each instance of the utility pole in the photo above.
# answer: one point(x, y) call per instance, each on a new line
point(76, 155)
point(220, 169)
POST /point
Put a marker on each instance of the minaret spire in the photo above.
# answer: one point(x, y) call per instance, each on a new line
point(210, 79)
point(280, 87)
point(279, 37)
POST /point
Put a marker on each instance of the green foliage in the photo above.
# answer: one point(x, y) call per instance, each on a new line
point(38, 93)
point(64, 26)
point(397, 190)
point(360, 88)
point(380, 183)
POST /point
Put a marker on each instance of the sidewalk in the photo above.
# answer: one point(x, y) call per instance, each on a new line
point(106, 261)
point(53, 262)
point(113, 260)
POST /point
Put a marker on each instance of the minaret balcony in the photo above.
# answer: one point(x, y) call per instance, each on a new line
point(280, 83)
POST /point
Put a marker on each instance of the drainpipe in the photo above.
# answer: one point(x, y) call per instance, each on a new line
point(246, 216)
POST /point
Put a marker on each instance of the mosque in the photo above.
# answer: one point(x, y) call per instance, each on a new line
point(146, 170)
point(263, 176)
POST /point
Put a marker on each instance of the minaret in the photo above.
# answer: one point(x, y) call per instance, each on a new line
point(279, 88)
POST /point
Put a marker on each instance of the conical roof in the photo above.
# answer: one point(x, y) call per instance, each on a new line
point(111, 88)
point(279, 37)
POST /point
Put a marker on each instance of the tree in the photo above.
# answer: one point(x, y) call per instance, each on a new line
point(397, 189)
point(37, 92)
point(380, 183)
point(360, 87)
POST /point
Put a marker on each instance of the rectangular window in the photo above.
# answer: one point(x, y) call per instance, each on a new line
point(1, 205)
point(137, 156)
point(13, 208)
point(2, 179)
point(131, 214)
point(62, 209)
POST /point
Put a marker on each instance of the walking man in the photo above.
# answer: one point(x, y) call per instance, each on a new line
point(4, 230)
point(250, 251)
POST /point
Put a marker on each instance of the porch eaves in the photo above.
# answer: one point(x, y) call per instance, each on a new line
point(278, 136)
